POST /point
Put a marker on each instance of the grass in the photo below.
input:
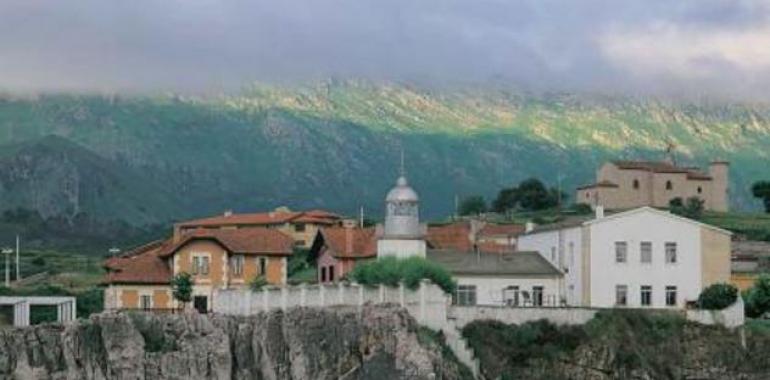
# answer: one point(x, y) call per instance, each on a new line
point(756, 226)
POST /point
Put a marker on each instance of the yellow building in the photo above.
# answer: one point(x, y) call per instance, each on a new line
point(216, 259)
point(301, 226)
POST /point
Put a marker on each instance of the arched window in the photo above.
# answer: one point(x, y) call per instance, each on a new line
point(669, 186)
point(636, 184)
point(700, 190)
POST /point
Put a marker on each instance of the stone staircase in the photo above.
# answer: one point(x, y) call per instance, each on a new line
point(461, 349)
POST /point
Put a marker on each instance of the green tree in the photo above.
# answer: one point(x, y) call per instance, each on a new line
point(692, 208)
point(391, 271)
point(472, 205)
point(533, 195)
point(758, 297)
point(506, 200)
point(761, 189)
point(182, 287)
point(717, 296)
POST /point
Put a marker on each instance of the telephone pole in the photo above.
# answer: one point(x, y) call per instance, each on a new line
point(18, 277)
point(7, 252)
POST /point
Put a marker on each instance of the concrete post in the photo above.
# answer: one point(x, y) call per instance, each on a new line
point(21, 314)
point(284, 297)
point(401, 294)
point(360, 295)
point(265, 299)
point(382, 293)
point(302, 294)
point(422, 302)
point(322, 295)
point(341, 293)
point(249, 295)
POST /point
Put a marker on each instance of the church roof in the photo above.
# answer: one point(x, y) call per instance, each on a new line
point(402, 192)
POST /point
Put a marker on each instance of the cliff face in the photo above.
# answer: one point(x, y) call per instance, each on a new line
point(376, 343)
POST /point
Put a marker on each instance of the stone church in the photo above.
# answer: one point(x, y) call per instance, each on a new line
point(630, 184)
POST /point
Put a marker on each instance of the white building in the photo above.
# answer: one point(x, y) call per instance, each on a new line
point(402, 235)
point(639, 258)
point(513, 279)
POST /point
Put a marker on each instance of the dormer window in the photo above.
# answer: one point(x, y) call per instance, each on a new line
point(669, 186)
point(636, 184)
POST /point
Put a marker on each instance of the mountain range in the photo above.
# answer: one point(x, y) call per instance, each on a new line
point(336, 145)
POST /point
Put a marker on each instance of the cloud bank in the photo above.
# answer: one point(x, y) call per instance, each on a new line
point(691, 47)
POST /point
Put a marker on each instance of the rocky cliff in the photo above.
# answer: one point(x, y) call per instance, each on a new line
point(374, 343)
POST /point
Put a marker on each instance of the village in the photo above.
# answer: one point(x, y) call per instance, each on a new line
point(628, 252)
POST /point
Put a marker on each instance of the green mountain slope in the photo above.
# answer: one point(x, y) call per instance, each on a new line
point(336, 144)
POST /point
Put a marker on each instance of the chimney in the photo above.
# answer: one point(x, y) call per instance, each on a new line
point(599, 211)
point(529, 227)
point(228, 213)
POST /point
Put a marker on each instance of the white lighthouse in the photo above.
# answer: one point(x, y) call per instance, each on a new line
point(402, 236)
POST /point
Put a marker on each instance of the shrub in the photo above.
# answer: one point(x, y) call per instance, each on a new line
point(391, 271)
point(717, 296)
point(257, 283)
point(758, 297)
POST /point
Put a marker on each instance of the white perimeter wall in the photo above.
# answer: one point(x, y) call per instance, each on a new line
point(633, 229)
point(489, 290)
point(569, 261)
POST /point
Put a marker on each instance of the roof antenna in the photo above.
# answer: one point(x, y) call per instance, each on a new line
point(403, 172)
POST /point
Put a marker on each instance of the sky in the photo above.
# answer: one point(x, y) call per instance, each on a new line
point(692, 48)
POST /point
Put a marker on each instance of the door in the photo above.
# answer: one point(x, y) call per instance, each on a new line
point(201, 303)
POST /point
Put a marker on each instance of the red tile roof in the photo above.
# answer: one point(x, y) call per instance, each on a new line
point(455, 236)
point(142, 265)
point(604, 183)
point(265, 218)
point(350, 242)
point(244, 240)
point(502, 230)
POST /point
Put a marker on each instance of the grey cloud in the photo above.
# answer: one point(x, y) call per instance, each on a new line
point(196, 45)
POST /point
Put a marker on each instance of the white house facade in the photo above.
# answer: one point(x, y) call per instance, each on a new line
point(639, 258)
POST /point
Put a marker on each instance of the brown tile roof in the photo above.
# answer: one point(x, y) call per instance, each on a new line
point(265, 218)
point(242, 240)
point(604, 183)
point(350, 242)
point(142, 265)
point(502, 230)
point(662, 167)
point(455, 236)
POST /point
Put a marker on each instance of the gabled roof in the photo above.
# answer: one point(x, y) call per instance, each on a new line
point(255, 240)
point(657, 212)
point(265, 218)
point(502, 230)
point(454, 236)
point(662, 167)
point(353, 243)
point(522, 263)
point(142, 265)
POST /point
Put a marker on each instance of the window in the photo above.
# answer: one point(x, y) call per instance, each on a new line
point(645, 252)
point(621, 295)
point(670, 253)
point(621, 251)
point(299, 243)
point(236, 265)
point(669, 186)
point(670, 295)
point(299, 227)
point(511, 295)
point(537, 296)
point(331, 273)
point(646, 295)
point(700, 189)
point(262, 261)
point(145, 302)
point(200, 265)
point(323, 274)
point(465, 295)
point(636, 184)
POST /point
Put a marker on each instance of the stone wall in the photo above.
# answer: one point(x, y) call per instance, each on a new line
point(731, 317)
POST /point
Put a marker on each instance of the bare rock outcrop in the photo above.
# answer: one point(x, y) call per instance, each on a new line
point(376, 342)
